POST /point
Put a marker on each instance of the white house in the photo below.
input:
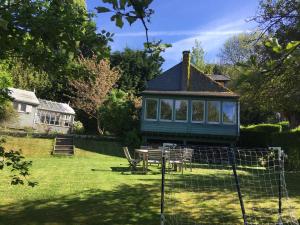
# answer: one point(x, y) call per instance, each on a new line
point(39, 114)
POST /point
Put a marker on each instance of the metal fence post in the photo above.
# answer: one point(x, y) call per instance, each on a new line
point(237, 183)
point(280, 173)
point(162, 200)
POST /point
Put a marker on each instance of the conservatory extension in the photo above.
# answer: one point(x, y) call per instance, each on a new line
point(185, 105)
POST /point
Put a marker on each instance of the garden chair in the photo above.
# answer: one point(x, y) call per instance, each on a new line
point(154, 156)
point(132, 162)
point(188, 157)
point(175, 158)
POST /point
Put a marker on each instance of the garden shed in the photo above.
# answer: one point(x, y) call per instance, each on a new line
point(183, 104)
point(39, 114)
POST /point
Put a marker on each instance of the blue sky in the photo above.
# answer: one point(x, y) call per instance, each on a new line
point(180, 22)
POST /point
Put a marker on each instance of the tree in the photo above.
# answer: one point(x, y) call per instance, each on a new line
point(274, 84)
point(27, 77)
point(90, 92)
point(131, 11)
point(239, 48)
point(137, 67)
point(197, 56)
point(50, 35)
point(120, 113)
point(5, 83)
point(17, 164)
point(279, 18)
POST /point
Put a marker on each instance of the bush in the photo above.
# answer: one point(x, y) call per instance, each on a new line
point(285, 125)
point(296, 129)
point(252, 138)
point(78, 127)
point(290, 143)
point(119, 114)
point(264, 127)
point(132, 139)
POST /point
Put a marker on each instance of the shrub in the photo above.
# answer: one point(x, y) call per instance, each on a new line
point(78, 127)
point(119, 113)
point(290, 143)
point(285, 125)
point(132, 139)
point(252, 138)
point(296, 129)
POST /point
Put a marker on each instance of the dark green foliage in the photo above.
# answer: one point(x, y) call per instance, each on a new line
point(50, 35)
point(285, 125)
point(265, 135)
point(18, 166)
point(250, 138)
point(119, 114)
point(137, 67)
point(290, 143)
point(132, 139)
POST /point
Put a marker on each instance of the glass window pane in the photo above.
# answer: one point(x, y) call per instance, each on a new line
point(181, 110)
point(151, 109)
point(229, 112)
point(198, 111)
point(213, 108)
point(47, 119)
point(23, 107)
point(166, 109)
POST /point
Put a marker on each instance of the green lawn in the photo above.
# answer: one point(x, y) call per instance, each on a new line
point(95, 187)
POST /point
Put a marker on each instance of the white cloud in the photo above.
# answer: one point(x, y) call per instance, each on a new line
point(211, 37)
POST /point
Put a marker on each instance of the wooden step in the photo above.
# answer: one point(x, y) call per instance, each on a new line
point(59, 147)
point(64, 141)
point(63, 146)
point(64, 152)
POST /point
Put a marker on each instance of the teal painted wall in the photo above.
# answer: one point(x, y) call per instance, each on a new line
point(189, 128)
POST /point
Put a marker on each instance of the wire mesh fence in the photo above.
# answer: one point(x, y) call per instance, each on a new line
point(222, 185)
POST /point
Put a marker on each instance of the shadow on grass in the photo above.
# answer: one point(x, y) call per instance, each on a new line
point(125, 205)
point(101, 147)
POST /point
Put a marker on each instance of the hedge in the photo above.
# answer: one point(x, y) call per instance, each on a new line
point(264, 127)
point(289, 141)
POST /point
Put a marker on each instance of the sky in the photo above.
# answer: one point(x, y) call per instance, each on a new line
point(180, 23)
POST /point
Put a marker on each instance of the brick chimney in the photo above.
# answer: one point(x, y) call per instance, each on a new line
point(185, 82)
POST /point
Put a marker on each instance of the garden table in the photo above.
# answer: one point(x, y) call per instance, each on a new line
point(143, 153)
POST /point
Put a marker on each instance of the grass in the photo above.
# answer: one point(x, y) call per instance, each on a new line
point(96, 187)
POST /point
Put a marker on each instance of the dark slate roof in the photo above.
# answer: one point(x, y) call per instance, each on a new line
point(220, 77)
point(171, 81)
point(55, 107)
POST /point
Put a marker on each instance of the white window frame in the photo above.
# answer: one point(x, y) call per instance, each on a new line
point(145, 111)
point(204, 111)
point(229, 123)
point(220, 112)
point(164, 120)
point(187, 110)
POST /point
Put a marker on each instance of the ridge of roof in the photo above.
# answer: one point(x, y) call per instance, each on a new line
point(215, 76)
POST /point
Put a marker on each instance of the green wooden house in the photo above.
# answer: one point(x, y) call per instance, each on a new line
point(185, 105)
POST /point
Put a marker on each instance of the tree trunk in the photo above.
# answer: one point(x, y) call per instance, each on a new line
point(293, 118)
point(100, 131)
